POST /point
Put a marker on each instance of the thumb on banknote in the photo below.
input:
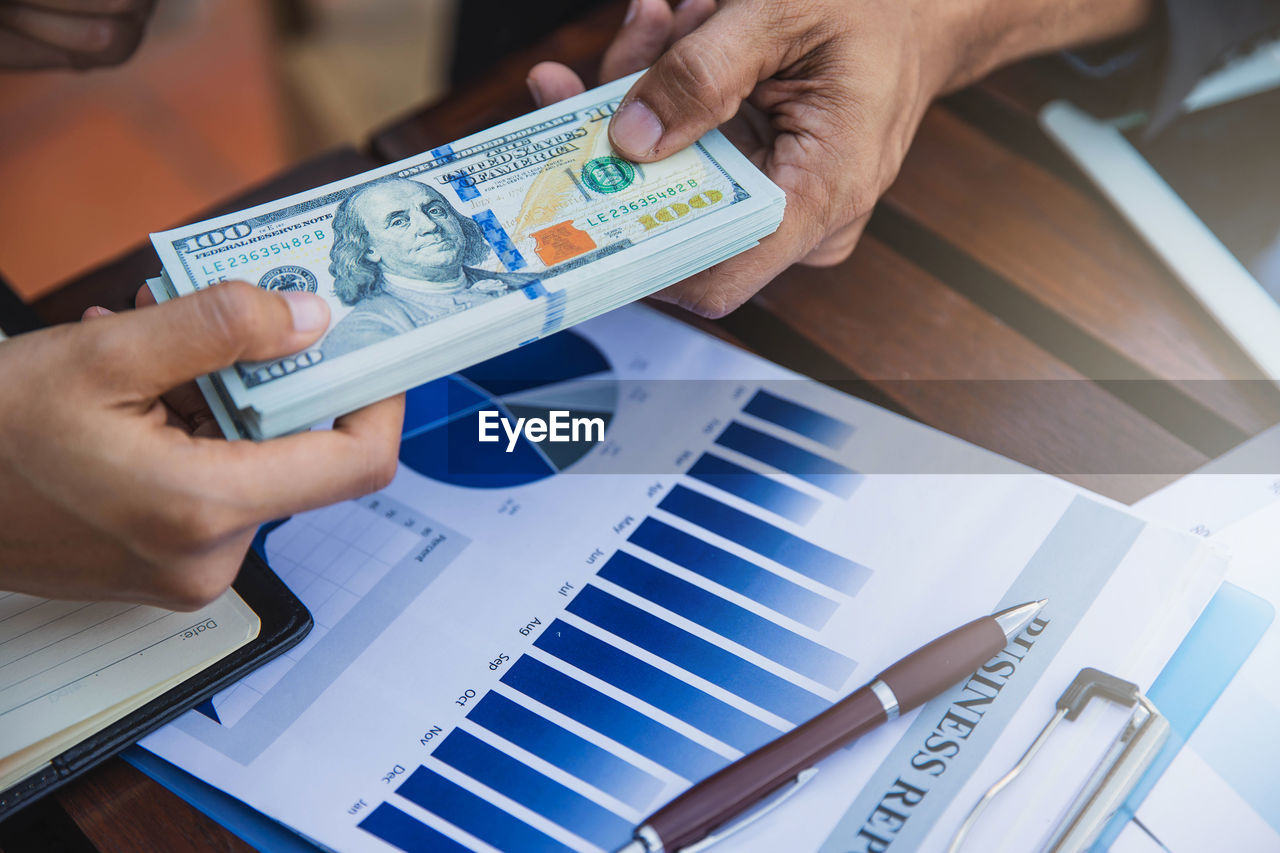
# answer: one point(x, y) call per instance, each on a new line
point(696, 85)
point(116, 494)
point(161, 346)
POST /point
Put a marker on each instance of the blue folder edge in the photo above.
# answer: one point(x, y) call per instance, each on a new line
point(1221, 640)
point(249, 824)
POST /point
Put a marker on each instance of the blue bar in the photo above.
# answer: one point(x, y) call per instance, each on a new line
point(474, 814)
point(823, 429)
point(760, 490)
point(800, 654)
point(733, 572)
point(697, 655)
point(511, 777)
point(408, 833)
point(566, 750)
point(785, 456)
point(650, 684)
point(762, 537)
point(612, 719)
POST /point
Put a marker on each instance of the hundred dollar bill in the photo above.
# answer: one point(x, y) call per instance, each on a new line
point(468, 250)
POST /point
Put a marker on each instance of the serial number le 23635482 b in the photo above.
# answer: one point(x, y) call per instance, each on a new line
point(658, 199)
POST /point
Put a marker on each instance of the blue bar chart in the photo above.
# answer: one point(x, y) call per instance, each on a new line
point(470, 813)
point(732, 572)
point(730, 621)
point(767, 540)
point(407, 832)
point(660, 689)
point(764, 492)
point(696, 655)
point(508, 776)
point(613, 719)
point(802, 420)
point(570, 752)
point(681, 652)
point(783, 455)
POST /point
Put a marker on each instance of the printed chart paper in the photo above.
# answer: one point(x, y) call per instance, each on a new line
point(533, 650)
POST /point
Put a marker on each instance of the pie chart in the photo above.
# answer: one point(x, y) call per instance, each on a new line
point(564, 373)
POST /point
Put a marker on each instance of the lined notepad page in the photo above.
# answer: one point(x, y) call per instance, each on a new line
point(71, 668)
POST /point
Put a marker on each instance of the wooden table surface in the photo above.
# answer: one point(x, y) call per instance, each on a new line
point(994, 296)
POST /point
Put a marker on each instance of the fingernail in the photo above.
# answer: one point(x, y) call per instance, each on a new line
point(635, 129)
point(534, 90)
point(309, 311)
point(95, 311)
point(631, 12)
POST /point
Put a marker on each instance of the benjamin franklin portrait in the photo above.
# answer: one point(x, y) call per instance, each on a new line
point(404, 258)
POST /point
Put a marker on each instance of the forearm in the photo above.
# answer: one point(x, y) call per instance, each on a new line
point(974, 37)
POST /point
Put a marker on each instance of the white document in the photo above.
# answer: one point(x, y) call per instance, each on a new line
point(1220, 791)
point(1228, 489)
point(539, 664)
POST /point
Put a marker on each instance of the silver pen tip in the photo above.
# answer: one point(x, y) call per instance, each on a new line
point(633, 846)
point(1014, 619)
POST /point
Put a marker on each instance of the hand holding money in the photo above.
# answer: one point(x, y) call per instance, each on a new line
point(109, 487)
point(824, 95)
point(464, 252)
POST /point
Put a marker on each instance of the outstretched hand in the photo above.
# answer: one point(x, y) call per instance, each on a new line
point(823, 95)
point(113, 483)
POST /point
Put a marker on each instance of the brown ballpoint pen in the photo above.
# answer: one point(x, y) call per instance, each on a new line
point(701, 815)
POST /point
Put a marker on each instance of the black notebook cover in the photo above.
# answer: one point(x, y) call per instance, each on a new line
point(16, 316)
point(285, 621)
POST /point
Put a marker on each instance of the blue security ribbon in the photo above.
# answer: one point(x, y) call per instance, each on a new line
point(557, 301)
point(462, 184)
point(497, 237)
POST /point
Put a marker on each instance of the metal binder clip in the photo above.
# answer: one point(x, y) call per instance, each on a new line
point(1112, 780)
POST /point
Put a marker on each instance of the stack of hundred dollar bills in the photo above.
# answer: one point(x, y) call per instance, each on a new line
point(464, 252)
